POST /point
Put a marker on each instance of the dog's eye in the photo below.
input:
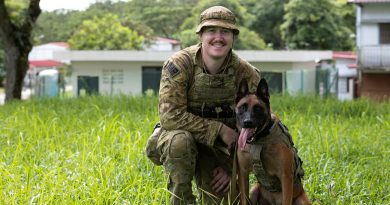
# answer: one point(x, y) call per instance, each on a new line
point(242, 108)
point(257, 109)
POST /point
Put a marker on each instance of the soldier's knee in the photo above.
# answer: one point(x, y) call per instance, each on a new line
point(182, 145)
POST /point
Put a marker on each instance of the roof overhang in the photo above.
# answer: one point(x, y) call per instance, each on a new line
point(161, 56)
point(44, 63)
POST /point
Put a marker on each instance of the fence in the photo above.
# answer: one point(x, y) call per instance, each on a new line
point(321, 81)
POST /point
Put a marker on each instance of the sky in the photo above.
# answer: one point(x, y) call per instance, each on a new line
point(51, 5)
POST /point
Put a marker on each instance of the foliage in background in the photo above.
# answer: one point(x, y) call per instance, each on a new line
point(260, 22)
point(90, 150)
point(247, 39)
point(348, 18)
point(105, 33)
point(315, 24)
point(16, 10)
point(163, 16)
point(268, 16)
point(56, 26)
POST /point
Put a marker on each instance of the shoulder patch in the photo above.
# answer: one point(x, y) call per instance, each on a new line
point(172, 69)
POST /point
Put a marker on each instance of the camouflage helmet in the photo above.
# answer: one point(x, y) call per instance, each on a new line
point(218, 16)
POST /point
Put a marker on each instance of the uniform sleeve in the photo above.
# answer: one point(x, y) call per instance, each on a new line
point(174, 83)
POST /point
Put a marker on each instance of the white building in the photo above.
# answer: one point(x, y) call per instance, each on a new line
point(134, 72)
point(345, 62)
point(45, 51)
point(164, 44)
point(42, 58)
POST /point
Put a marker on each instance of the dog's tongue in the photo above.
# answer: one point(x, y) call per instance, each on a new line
point(244, 135)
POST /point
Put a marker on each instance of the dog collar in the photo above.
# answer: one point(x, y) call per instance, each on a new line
point(262, 132)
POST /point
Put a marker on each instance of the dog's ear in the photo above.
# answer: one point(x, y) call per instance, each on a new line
point(262, 90)
point(243, 90)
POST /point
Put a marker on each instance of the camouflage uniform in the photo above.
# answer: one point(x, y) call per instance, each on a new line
point(193, 107)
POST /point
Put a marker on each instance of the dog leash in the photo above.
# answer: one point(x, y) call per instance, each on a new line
point(233, 181)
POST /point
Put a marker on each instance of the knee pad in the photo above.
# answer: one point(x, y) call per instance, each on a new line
point(181, 154)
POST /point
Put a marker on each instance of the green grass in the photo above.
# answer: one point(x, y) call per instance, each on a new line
point(90, 150)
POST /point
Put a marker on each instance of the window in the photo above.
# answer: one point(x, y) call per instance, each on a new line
point(87, 85)
point(275, 81)
point(151, 78)
point(384, 32)
point(113, 76)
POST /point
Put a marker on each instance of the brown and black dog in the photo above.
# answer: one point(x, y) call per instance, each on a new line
point(270, 152)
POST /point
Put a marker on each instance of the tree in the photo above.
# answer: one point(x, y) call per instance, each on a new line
point(246, 39)
point(128, 13)
point(16, 39)
point(56, 26)
point(348, 16)
point(105, 33)
point(268, 18)
point(314, 24)
point(2, 69)
point(249, 40)
point(163, 16)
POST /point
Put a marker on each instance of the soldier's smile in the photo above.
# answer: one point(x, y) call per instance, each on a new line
point(217, 41)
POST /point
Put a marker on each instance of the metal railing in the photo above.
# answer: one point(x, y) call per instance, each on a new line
point(374, 57)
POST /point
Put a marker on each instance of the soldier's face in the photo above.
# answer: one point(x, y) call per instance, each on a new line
point(216, 41)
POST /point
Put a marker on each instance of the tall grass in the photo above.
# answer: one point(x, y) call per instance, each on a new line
point(90, 150)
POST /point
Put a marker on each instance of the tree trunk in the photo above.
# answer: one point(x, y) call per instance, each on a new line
point(16, 64)
point(17, 46)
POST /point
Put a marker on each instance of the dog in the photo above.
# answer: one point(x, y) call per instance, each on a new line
point(266, 148)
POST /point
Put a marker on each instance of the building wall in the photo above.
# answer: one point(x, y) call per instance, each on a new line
point(369, 34)
point(127, 76)
point(375, 86)
point(284, 66)
point(367, 20)
point(45, 52)
point(126, 66)
point(346, 78)
point(272, 67)
point(374, 74)
point(304, 65)
point(375, 12)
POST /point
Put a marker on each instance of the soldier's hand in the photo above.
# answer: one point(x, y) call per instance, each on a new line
point(221, 180)
point(228, 136)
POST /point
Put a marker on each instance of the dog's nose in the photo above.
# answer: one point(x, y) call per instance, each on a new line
point(248, 123)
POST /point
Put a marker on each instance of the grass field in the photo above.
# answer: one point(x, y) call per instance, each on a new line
point(90, 150)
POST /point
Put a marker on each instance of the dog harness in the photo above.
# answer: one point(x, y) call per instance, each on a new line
point(278, 134)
